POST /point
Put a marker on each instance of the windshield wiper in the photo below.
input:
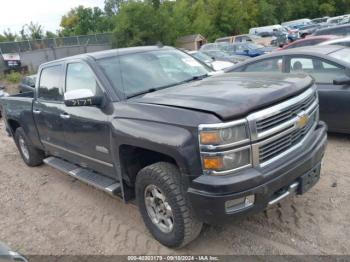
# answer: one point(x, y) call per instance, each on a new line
point(153, 89)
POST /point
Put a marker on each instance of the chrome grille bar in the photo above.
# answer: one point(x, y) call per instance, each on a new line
point(275, 131)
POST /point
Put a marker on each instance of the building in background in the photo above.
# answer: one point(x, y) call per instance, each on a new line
point(191, 42)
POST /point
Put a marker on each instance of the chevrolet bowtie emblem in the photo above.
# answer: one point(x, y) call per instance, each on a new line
point(303, 120)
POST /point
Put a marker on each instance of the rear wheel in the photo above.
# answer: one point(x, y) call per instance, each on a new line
point(30, 155)
point(164, 207)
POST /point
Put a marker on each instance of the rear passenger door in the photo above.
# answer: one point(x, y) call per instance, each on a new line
point(48, 108)
point(334, 99)
point(86, 128)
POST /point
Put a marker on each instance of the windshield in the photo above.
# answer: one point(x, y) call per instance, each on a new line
point(143, 72)
point(203, 57)
point(343, 55)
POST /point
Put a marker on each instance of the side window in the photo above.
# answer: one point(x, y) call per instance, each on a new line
point(301, 64)
point(49, 86)
point(324, 72)
point(267, 65)
point(239, 39)
point(80, 76)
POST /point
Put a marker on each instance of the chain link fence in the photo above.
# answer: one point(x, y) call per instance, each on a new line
point(30, 45)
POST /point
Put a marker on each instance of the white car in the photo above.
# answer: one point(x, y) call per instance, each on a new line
point(344, 41)
point(217, 65)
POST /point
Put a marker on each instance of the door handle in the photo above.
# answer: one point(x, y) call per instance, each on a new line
point(36, 111)
point(65, 116)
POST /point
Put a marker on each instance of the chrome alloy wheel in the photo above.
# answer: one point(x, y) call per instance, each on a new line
point(158, 209)
point(24, 148)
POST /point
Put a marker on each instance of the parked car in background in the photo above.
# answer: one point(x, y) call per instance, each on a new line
point(27, 84)
point(217, 52)
point(309, 41)
point(328, 65)
point(265, 29)
point(338, 20)
point(245, 38)
point(320, 20)
point(344, 41)
point(292, 33)
point(308, 29)
point(246, 49)
point(340, 30)
point(217, 65)
point(224, 56)
point(296, 24)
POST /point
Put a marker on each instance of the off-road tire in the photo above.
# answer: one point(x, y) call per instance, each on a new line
point(167, 177)
point(35, 156)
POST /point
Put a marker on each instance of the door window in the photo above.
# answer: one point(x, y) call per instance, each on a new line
point(80, 76)
point(267, 65)
point(324, 72)
point(49, 85)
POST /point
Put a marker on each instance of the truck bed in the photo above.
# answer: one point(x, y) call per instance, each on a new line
point(18, 108)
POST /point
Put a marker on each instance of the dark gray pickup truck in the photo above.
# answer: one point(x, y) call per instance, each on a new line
point(153, 123)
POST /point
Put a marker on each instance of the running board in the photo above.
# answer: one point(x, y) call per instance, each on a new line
point(97, 180)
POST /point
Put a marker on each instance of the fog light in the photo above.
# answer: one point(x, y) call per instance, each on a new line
point(239, 203)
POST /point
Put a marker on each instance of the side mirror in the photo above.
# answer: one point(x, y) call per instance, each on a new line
point(82, 97)
point(246, 51)
point(342, 80)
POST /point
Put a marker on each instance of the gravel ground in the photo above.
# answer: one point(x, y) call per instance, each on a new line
point(45, 212)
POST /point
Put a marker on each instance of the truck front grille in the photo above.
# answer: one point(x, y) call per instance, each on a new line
point(278, 130)
point(285, 142)
point(285, 114)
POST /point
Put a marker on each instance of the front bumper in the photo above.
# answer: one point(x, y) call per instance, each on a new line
point(208, 194)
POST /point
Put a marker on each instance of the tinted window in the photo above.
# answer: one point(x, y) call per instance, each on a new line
point(49, 87)
point(80, 76)
point(323, 72)
point(267, 65)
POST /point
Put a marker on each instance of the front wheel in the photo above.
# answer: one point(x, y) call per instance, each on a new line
point(30, 155)
point(164, 207)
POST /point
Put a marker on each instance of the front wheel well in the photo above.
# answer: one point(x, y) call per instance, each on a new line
point(133, 159)
point(13, 125)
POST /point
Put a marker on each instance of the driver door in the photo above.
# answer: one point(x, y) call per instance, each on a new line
point(86, 128)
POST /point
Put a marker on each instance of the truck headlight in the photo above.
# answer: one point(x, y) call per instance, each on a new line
point(231, 160)
point(223, 135)
point(216, 143)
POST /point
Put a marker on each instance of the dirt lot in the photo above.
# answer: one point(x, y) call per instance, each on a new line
point(43, 211)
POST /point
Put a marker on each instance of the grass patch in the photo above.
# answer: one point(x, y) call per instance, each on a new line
point(13, 77)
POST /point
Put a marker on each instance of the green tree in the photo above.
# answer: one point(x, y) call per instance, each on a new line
point(136, 25)
point(112, 6)
point(2, 38)
point(82, 21)
point(9, 36)
point(327, 9)
point(34, 31)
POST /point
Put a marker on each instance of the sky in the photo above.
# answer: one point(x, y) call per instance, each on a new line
point(15, 13)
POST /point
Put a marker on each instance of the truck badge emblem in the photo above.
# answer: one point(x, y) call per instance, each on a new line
point(303, 120)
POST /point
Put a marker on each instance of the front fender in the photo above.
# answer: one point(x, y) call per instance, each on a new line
point(177, 142)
